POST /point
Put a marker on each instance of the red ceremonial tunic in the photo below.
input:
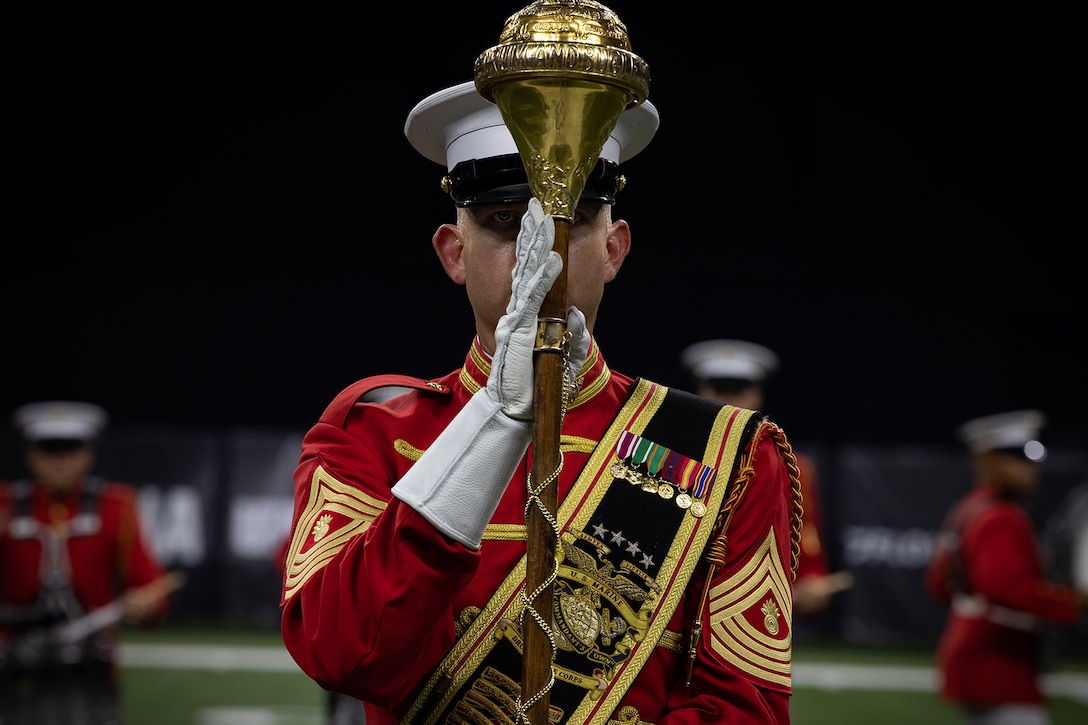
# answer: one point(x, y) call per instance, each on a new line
point(104, 559)
point(989, 650)
point(379, 608)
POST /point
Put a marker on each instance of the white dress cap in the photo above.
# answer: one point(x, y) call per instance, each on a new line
point(732, 359)
point(1017, 429)
point(60, 420)
point(457, 124)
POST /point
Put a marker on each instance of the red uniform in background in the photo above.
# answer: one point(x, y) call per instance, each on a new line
point(61, 557)
point(995, 584)
point(105, 552)
point(813, 558)
point(988, 567)
point(70, 545)
point(375, 595)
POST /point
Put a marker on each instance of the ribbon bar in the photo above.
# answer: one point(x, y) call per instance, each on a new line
point(686, 473)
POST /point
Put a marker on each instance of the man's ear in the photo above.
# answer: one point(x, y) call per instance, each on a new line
point(447, 244)
point(617, 247)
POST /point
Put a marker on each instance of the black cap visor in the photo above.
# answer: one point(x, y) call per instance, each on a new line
point(59, 446)
point(502, 180)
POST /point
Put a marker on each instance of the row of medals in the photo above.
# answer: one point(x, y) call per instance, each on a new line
point(652, 484)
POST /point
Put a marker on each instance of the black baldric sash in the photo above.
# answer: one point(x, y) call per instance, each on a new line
point(633, 526)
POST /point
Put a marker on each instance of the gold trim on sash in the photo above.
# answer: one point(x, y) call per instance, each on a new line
point(498, 621)
point(723, 446)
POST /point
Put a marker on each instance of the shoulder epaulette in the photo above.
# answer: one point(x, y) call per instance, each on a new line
point(375, 389)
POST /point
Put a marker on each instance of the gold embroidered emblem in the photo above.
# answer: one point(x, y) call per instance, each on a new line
point(770, 616)
point(749, 616)
point(595, 606)
point(583, 621)
point(627, 715)
point(334, 514)
point(321, 527)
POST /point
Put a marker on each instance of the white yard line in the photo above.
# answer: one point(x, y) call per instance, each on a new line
point(813, 675)
point(840, 676)
point(206, 657)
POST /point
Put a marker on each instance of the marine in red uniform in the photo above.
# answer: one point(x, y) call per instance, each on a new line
point(736, 372)
point(70, 544)
point(988, 567)
point(402, 579)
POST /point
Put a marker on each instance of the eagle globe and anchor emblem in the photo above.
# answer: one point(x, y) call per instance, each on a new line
point(601, 612)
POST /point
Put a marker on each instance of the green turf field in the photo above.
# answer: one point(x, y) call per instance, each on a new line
point(211, 676)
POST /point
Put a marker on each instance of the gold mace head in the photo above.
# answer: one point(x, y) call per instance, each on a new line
point(561, 75)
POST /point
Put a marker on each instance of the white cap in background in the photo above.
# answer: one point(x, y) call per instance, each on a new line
point(60, 420)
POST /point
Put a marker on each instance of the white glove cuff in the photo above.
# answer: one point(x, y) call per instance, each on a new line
point(457, 483)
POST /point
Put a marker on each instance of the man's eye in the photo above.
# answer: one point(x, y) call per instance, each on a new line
point(504, 216)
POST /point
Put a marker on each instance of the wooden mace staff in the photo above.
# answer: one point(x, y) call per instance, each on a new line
point(561, 75)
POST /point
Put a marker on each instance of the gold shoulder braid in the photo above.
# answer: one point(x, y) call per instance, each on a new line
point(795, 490)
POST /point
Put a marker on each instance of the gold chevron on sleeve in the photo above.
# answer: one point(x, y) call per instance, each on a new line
point(334, 514)
point(750, 615)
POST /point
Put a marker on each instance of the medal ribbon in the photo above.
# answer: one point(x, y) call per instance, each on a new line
point(657, 459)
point(642, 451)
point(685, 476)
point(686, 473)
point(703, 481)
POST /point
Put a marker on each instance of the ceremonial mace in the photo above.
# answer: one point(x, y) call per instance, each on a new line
point(561, 75)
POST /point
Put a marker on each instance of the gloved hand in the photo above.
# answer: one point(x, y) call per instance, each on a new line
point(579, 346)
point(511, 381)
point(457, 483)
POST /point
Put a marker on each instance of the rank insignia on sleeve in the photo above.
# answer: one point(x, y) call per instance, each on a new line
point(335, 513)
point(750, 615)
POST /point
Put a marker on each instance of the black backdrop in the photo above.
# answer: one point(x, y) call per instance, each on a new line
point(211, 215)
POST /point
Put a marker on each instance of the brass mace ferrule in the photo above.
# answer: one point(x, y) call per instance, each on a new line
point(561, 75)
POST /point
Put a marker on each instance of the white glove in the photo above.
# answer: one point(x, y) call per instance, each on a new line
point(579, 347)
point(511, 381)
point(457, 483)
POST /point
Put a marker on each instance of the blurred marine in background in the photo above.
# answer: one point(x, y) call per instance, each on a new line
point(988, 567)
point(74, 565)
point(735, 372)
